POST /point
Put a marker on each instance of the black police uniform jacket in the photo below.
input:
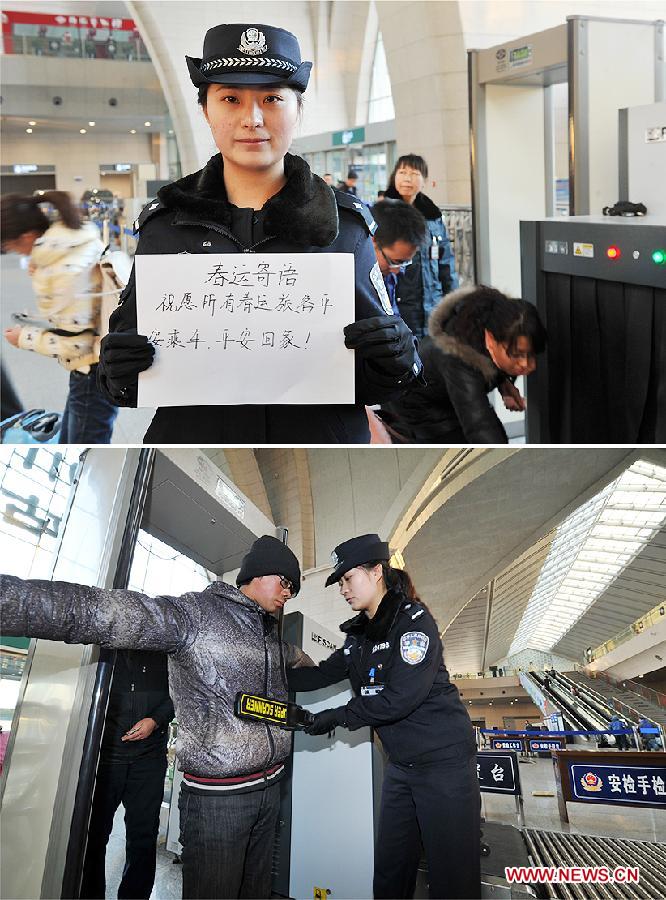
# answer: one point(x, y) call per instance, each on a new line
point(193, 215)
point(453, 406)
point(395, 664)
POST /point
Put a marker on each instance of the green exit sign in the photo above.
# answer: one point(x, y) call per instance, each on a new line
point(351, 136)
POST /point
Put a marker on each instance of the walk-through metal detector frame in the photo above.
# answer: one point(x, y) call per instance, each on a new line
point(608, 64)
point(182, 498)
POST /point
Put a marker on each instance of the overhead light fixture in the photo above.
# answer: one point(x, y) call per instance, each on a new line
point(146, 124)
point(92, 124)
point(133, 131)
point(28, 130)
point(171, 131)
point(32, 123)
point(82, 131)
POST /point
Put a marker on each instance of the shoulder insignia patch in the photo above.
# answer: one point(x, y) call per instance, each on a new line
point(149, 210)
point(380, 287)
point(347, 201)
point(413, 647)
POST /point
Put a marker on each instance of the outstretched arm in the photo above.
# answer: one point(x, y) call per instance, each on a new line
point(79, 614)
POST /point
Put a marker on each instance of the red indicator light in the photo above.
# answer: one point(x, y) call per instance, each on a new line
point(613, 253)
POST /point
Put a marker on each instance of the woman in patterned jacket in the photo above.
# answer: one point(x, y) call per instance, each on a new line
point(63, 266)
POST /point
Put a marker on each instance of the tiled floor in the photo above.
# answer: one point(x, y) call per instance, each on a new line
point(540, 812)
point(168, 882)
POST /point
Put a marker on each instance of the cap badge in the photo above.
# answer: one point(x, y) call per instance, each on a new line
point(334, 559)
point(253, 42)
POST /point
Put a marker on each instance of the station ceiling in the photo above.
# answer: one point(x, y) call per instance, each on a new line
point(481, 532)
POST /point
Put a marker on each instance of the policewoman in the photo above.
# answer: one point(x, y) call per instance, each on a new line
point(393, 657)
point(255, 196)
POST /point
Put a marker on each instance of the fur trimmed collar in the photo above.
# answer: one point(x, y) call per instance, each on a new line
point(377, 628)
point(304, 211)
point(439, 318)
point(424, 204)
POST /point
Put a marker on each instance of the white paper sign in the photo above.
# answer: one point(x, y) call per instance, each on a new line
point(256, 328)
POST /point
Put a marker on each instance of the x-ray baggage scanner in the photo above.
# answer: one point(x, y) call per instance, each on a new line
point(599, 284)
point(330, 799)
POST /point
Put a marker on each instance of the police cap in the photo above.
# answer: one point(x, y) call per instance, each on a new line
point(355, 552)
point(249, 55)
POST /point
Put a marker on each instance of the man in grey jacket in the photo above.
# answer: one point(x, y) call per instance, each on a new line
point(219, 641)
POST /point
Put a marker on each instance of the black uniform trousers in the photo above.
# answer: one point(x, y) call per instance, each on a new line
point(438, 805)
point(139, 786)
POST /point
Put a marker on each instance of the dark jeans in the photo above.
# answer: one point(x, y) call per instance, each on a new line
point(228, 843)
point(88, 417)
point(437, 805)
point(139, 786)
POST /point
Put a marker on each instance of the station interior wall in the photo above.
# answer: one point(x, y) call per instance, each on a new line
point(500, 716)
point(425, 45)
point(77, 163)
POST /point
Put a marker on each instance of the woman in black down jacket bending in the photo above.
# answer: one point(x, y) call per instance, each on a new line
point(479, 340)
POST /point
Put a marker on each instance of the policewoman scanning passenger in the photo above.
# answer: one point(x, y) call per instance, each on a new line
point(254, 195)
point(393, 657)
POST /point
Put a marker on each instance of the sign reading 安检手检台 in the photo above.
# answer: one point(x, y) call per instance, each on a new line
point(635, 784)
point(261, 328)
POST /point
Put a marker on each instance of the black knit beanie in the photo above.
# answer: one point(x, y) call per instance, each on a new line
point(269, 556)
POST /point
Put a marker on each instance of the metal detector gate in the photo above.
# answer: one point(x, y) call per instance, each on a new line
point(178, 496)
point(517, 158)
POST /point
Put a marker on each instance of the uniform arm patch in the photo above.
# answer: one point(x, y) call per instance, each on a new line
point(413, 647)
point(378, 284)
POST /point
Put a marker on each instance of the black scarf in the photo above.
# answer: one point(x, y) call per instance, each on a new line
point(377, 628)
point(304, 211)
point(424, 204)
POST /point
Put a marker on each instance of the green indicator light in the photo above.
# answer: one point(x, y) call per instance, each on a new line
point(659, 257)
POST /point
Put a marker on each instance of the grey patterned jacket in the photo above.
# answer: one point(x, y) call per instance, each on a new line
point(218, 640)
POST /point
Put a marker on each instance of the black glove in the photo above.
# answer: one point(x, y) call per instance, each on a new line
point(326, 721)
point(123, 354)
point(387, 352)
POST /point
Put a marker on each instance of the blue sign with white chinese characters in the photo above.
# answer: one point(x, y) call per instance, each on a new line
point(506, 744)
point(637, 785)
point(536, 745)
point(498, 772)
